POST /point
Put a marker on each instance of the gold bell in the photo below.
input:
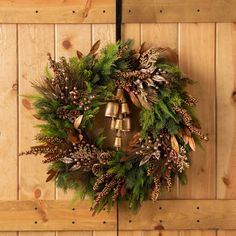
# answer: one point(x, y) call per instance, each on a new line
point(125, 108)
point(120, 94)
point(112, 109)
point(113, 123)
point(118, 142)
point(126, 124)
point(119, 123)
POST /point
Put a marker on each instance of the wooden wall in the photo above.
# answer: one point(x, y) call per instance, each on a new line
point(207, 53)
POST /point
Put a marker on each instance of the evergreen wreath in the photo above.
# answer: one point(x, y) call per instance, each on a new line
point(71, 95)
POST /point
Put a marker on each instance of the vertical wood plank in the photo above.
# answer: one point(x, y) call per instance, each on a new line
point(70, 38)
point(8, 114)
point(103, 32)
point(226, 233)
point(34, 41)
point(226, 113)
point(162, 35)
point(132, 31)
point(226, 110)
point(197, 60)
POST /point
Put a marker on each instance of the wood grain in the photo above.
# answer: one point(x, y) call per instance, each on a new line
point(45, 215)
point(166, 214)
point(160, 35)
point(149, 11)
point(101, 11)
point(226, 110)
point(34, 41)
point(71, 11)
point(180, 214)
point(8, 114)
point(72, 37)
point(226, 113)
point(197, 59)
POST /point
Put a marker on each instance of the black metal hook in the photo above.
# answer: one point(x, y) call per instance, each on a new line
point(118, 19)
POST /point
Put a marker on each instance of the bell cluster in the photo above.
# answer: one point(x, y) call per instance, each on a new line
point(118, 110)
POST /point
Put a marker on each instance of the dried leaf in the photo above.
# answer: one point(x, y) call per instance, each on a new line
point(187, 131)
point(134, 140)
point(158, 78)
point(144, 160)
point(134, 99)
point(51, 174)
point(50, 171)
point(79, 54)
point(67, 160)
point(95, 47)
point(144, 47)
point(81, 137)
point(174, 143)
point(192, 144)
point(78, 122)
point(144, 103)
point(186, 138)
point(168, 54)
point(75, 167)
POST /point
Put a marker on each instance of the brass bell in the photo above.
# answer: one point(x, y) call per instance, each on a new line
point(125, 108)
point(112, 109)
point(118, 142)
point(113, 123)
point(126, 124)
point(119, 123)
point(120, 94)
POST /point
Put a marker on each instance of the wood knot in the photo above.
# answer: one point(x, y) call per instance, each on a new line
point(26, 103)
point(66, 44)
point(226, 180)
point(14, 87)
point(159, 227)
point(234, 96)
point(37, 193)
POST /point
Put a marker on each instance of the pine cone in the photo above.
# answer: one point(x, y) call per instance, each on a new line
point(104, 157)
point(62, 113)
point(96, 169)
point(72, 115)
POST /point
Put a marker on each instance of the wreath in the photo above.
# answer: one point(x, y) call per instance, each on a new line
point(74, 92)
